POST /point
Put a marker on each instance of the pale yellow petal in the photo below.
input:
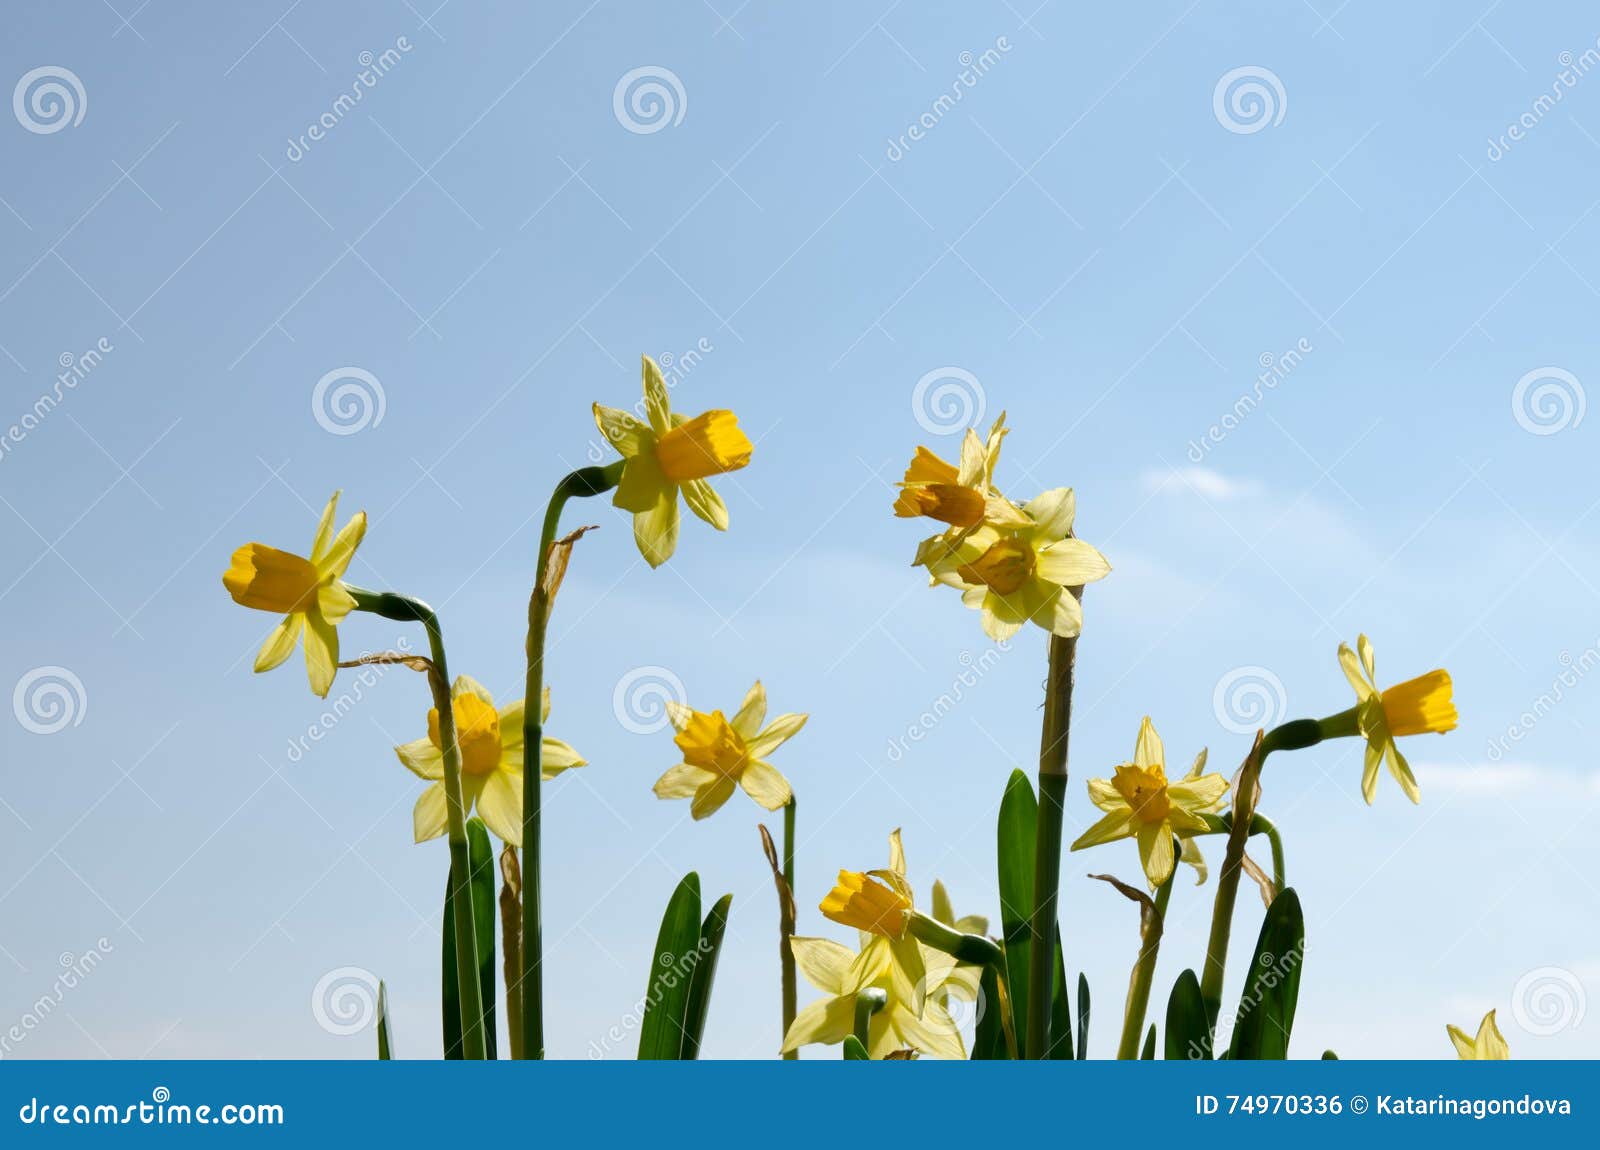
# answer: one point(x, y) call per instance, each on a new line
point(642, 484)
point(763, 783)
point(1148, 751)
point(1118, 824)
point(324, 536)
point(656, 530)
point(500, 805)
point(1364, 645)
point(430, 816)
point(1401, 770)
point(705, 502)
point(935, 1033)
point(334, 602)
point(1071, 563)
point(1155, 852)
point(657, 407)
point(422, 758)
point(621, 430)
point(1369, 769)
point(1352, 672)
point(467, 685)
point(897, 853)
point(778, 732)
point(343, 547)
point(709, 798)
point(1052, 512)
point(826, 1022)
point(556, 756)
point(1189, 852)
point(825, 963)
point(752, 712)
point(511, 717)
point(1198, 794)
point(682, 781)
point(280, 644)
point(322, 653)
point(1465, 1050)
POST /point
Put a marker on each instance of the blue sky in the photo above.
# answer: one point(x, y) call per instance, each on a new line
point(1086, 240)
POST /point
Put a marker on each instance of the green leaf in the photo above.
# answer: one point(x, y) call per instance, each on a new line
point(1149, 1053)
point(1018, 826)
point(1329, 1056)
point(705, 973)
point(1188, 1028)
point(666, 997)
point(989, 1037)
point(385, 1049)
point(853, 1050)
point(1083, 1018)
point(480, 869)
point(1272, 986)
point(1060, 1009)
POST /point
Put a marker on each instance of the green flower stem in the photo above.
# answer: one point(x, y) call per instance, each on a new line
point(585, 481)
point(1259, 825)
point(474, 1043)
point(786, 927)
point(1295, 735)
point(973, 949)
point(1057, 726)
point(1144, 972)
point(868, 1002)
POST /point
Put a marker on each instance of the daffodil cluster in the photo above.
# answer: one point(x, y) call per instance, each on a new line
point(1014, 563)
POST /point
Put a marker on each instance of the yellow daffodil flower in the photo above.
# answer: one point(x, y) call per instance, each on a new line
point(667, 454)
point(1016, 576)
point(954, 979)
point(916, 980)
point(1418, 706)
point(1489, 1045)
point(308, 593)
point(719, 754)
point(1140, 803)
point(490, 741)
point(963, 496)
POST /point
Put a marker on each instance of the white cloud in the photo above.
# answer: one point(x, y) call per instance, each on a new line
point(1498, 780)
point(1200, 481)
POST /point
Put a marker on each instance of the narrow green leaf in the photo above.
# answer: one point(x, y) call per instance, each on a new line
point(385, 1049)
point(481, 873)
point(704, 974)
point(1060, 1010)
point(1188, 1029)
point(989, 1038)
point(1149, 1053)
point(853, 1050)
point(666, 996)
point(1018, 825)
point(1272, 986)
point(1083, 1018)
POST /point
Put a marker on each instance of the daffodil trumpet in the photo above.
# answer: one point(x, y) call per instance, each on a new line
point(405, 609)
point(582, 483)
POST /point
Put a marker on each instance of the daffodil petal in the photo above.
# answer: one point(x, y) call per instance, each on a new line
point(825, 963)
point(1053, 512)
point(1118, 824)
point(752, 712)
point(344, 546)
point(1352, 671)
point(280, 644)
point(430, 815)
point(825, 1022)
point(511, 719)
point(621, 430)
point(422, 758)
point(705, 503)
point(322, 653)
point(1401, 770)
point(778, 732)
point(765, 784)
point(657, 407)
point(709, 798)
point(324, 536)
point(1071, 563)
point(656, 530)
point(682, 781)
point(1155, 852)
point(500, 805)
point(1369, 771)
point(556, 756)
point(1148, 750)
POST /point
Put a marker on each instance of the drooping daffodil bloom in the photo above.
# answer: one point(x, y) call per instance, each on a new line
point(963, 496)
point(720, 754)
point(665, 454)
point(1139, 803)
point(308, 592)
point(1487, 1046)
point(1423, 705)
point(1024, 574)
point(915, 980)
point(490, 742)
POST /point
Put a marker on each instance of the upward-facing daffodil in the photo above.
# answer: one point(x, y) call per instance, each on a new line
point(490, 741)
point(1418, 706)
point(1023, 574)
point(1141, 804)
point(963, 496)
point(667, 454)
point(308, 592)
point(719, 755)
point(1488, 1045)
point(915, 979)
